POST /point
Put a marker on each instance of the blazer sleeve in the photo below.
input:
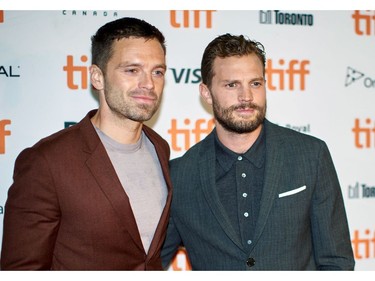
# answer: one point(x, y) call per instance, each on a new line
point(173, 239)
point(171, 244)
point(31, 217)
point(330, 229)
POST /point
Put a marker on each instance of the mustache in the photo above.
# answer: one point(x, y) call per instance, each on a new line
point(150, 94)
point(246, 106)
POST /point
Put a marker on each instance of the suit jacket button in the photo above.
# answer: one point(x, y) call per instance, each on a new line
point(250, 262)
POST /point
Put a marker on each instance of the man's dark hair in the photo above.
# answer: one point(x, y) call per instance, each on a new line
point(228, 45)
point(102, 41)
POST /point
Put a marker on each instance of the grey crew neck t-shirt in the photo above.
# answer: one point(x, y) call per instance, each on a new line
point(139, 171)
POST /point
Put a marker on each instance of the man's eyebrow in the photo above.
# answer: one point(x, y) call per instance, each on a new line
point(131, 64)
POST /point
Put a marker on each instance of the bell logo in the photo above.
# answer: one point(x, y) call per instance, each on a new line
point(3, 134)
point(1, 16)
point(364, 22)
point(352, 75)
point(175, 20)
point(295, 69)
point(73, 70)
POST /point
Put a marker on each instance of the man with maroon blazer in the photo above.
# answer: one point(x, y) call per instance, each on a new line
point(96, 196)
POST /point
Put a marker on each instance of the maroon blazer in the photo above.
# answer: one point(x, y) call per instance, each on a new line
point(67, 210)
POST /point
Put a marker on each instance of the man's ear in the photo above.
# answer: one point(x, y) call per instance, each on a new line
point(205, 93)
point(96, 77)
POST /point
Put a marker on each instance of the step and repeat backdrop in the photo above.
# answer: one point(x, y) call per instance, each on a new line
point(320, 81)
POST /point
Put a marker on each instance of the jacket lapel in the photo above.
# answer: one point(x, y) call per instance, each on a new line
point(207, 166)
point(273, 168)
point(105, 175)
point(163, 156)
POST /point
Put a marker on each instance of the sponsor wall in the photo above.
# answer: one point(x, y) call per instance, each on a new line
point(320, 81)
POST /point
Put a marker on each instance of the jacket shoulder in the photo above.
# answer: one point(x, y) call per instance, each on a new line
point(192, 155)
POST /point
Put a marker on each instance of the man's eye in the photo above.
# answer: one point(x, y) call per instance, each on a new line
point(159, 72)
point(131, 70)
point(231, 85)
point(256, 84)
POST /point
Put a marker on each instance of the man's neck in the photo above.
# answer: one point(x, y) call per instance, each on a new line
point(124, 131)
point(238, 143)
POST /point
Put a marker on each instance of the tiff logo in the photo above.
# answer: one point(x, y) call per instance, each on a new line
point(364, 22)
point(363, 244)
point(73, 71)
point(361, 190)
point(294, 69)
point(1, 16)
point(3, 134)
point(176, 20)
point(178, 133)
point(364, 134)
point(265, 17)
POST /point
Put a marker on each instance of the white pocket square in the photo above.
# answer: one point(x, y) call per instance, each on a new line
point(291, 192)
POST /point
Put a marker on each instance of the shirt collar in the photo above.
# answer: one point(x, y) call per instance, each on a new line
point(255, 155)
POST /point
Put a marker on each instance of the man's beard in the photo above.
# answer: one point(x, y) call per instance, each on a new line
point(225, 117)
point(122, 107)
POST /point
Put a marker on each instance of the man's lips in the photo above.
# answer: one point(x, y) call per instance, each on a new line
point(245, 108)
point(144, 98)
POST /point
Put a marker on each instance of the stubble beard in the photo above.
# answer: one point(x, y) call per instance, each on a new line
point(126, 109)
point(225, 117)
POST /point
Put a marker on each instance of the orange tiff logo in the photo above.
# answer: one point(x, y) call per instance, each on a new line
point(3, 134)
point(363, 245)
point(364, 22)
point(74, 71)
point(364, 133)
point(1, 16)
point(293, 72)
point(183, 133)
point(176, 17)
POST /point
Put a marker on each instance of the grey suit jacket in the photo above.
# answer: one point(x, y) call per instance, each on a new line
point(302, 224)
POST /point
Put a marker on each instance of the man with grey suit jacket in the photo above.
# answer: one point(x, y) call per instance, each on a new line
point(253, 195)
